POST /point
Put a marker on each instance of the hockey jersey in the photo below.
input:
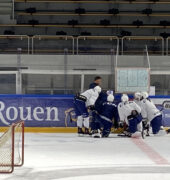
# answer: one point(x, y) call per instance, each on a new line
point(91, 97)
point(100, 100)
point(93, 85)
point(109, 111)
point(125, 109)
point(149, 110)
point(137, 102)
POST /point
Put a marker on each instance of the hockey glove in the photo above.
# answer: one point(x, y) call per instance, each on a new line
point(92, 108)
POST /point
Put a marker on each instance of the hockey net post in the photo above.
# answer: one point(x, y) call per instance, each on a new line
point(12, 148)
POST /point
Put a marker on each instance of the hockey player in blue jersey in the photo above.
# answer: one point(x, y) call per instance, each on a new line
point(100, 100)
point(108, 111)
point(82, 103)
point(95, 123)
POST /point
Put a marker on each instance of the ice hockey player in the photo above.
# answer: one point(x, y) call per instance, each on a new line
point(129, 112)
point(145, 125)
point(151, 114)
point(107, 113)
point(95, 123)
point(82, 103)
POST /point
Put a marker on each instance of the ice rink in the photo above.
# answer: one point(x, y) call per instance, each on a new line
point(68, 157)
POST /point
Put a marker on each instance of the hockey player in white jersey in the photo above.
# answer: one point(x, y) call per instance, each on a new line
point(152, 115)
point(82, 103)
point(144, 124)
point(129, 112)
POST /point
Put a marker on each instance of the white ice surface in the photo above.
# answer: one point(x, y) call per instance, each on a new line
point(66, 156)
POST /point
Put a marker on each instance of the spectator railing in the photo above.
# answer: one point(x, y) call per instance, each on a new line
point(167, 45)
point(100, 45)
point(135, 45)
point(44, 44)
point(56, 45)
point(11, 43)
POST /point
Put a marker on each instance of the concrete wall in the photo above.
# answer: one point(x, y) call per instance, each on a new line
point(44, 74)
point(97, 62)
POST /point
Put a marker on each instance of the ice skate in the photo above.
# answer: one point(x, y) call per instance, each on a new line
point(80, 132)
point(162, 132)
point(87, 132)
point(127, 133)
point(96, 134)
point(137, 135)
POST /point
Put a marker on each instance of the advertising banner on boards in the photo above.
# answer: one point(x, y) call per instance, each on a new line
point(36, 111)
point(53, 111)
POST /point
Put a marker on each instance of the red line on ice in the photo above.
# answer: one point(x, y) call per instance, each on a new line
point(151, 153)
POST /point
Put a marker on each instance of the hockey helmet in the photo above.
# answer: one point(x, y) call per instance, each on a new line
point(110, 98)
point(137, 95)
point(124, 98)
point(144, 95)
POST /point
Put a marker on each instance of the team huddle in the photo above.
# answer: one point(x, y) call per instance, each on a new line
point(134, 116)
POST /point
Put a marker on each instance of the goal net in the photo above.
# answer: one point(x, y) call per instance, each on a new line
point(12, 148)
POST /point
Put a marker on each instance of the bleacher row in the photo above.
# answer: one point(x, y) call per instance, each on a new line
point(88, 15)
point(103, 2)
point(126, 45)
point(86, 26)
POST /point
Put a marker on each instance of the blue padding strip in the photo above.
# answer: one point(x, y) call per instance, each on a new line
point(117, 96)
point(160, 97)
point(35, 96)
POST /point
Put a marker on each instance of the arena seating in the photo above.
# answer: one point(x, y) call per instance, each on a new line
point(97, 18)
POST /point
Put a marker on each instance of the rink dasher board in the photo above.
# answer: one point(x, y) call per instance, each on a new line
point(59, 122)
point(51, 130)
point(44, 130)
